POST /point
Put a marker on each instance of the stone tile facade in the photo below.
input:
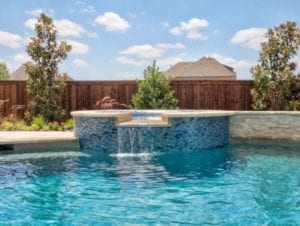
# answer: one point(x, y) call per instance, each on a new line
point(265, 125)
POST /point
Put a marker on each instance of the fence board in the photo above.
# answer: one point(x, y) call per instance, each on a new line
point(79, 95)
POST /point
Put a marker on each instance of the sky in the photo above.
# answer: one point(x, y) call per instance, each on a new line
point(117, 39)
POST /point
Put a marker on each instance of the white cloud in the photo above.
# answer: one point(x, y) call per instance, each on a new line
point(26, 40)
point(64, 27)
point(112, 22)
point(143, 62)
point(142, 55)
point(21, 58)
point(80, 63)
point(10, 40)
point(37, 12)
point(232, 62)
point(143, 51)
point(69, 28)
point(149, 52)
point(191, 29)
point(250, 38)
point(170, 46)
point(78, 47)
point(130, 61)
point(169, 61)
point(31, 23)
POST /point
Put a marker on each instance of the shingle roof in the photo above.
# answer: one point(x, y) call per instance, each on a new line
point(21, 75)
point(205, 67)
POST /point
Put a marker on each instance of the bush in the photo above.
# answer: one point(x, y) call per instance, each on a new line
point(21, 124)
point(154, 92)
point(39, 122)
point(34, 127)
point(54, 126)
point(7, 125)
point(68, 125)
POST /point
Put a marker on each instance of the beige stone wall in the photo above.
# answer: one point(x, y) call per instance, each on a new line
point(266, 125)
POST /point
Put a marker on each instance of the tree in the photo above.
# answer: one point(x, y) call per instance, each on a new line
point(154, 92)
point(276, 85)
point(43, 83)
point(4, 72)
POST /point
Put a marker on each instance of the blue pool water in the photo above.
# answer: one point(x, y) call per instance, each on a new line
point(241, 184)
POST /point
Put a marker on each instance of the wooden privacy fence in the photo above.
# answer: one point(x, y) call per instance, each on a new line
point(79, 95)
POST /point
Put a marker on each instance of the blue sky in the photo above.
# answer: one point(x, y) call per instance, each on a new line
point(116, 39)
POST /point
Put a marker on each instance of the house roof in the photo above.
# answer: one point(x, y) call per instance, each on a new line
point(21, 75)
point(205, 67)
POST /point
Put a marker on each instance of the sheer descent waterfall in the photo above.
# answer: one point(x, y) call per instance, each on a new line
point(146, 131)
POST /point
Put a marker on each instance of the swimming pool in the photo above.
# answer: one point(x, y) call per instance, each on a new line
point(252, 183)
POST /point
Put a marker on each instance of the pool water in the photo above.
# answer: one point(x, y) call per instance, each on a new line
point(241, 184)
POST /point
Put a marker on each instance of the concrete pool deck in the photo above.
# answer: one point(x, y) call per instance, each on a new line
point(22, 140)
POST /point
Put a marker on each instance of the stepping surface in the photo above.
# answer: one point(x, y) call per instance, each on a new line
point(33, 137)
point(144, 123)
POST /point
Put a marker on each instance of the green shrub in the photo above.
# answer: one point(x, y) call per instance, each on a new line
point(34, 127)
point(38, 122)
point(54, 126)
point(8, 125)
point(14, 125)
point(20, 124)
point(154, 92)
point(68, 125)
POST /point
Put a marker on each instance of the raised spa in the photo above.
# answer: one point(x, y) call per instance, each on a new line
point(143, 131)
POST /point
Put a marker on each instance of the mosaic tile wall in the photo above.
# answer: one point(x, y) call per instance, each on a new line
point(97, 133)
point(183, 134)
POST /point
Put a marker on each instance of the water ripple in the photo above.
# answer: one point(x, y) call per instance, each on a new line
point(237, 185)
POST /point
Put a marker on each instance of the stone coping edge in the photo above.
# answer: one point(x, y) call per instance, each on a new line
point(124, 117)
point(35, 137)
point(195, 114)
point(100, 114)
point(145, 123)
point(291, 113)
point(166, 113)
point(176, 113)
